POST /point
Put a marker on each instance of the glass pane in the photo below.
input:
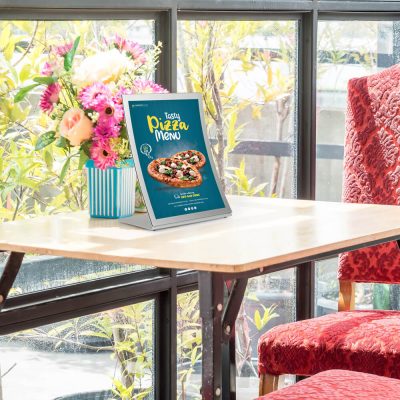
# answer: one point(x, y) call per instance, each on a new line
point(270, 300)
point(46, 272)
point(105, 356)
point(346, 49)
point(189, 346)
point(246, 71)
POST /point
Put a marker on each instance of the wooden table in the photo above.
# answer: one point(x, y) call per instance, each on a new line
point(262, 236)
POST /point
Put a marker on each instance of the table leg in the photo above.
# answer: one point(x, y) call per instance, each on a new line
point(13, 264)
point(211, 288)
point(218, 328)
point(234, 299)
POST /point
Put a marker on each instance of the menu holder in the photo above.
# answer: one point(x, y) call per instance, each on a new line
point(173, 161)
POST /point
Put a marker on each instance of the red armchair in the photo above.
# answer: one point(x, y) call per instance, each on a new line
point(365, 341)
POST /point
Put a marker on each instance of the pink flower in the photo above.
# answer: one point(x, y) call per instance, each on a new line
point(122, 90)
point(47, 69)
point(131, 48)
point(136, 51)
point(106, 128)
point(62, 50)
point(76, 126)
point(90, 95)
point(50, 97)
point(147, 86)
point(102, 154)
point(119, 42)
point(108, 109)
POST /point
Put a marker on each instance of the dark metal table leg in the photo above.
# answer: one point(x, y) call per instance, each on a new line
point(234, 299)
point(13, 264)
point(166, 337)
point(211, 287)
point(218, 327)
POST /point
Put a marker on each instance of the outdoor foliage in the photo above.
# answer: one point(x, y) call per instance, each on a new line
point(36, 178)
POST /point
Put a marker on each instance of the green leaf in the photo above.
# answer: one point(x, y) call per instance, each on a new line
point(82, 159)
point(23, 92)
point(45, 139)
point(69, 57)
point(62, 142)
point(257, 320)
point(45, 80)
point(85, 147)
point(48, 158)
point(64, 169)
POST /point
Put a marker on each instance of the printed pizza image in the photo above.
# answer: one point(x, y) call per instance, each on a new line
point(193, 157)
point(175, 172)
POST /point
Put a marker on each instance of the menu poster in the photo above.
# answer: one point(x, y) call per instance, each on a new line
point(173, 160)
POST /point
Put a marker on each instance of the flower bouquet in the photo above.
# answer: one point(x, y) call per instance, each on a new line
point(83, 98)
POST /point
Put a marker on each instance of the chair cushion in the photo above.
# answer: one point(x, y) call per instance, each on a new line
point(340, 385)
point(365, 341)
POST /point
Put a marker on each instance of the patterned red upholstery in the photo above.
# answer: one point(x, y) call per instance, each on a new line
point(340, 385)
point(366, 341)
point(372, 167)
point(360, 341)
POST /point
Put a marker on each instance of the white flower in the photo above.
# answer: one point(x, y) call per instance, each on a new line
point(102, 67)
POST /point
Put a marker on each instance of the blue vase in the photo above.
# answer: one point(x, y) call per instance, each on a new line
point(111, 191)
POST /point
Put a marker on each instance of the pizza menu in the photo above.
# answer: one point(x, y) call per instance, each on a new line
point(173, 157)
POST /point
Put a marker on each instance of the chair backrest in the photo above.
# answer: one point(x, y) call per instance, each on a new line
point(372, 168)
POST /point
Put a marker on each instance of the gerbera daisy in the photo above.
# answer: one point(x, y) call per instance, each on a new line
point(131, 48)
point(108, 109)
point(147, 86)
point(106, 128)
point(50, 97)
point(102, 154)
point(119, 42)
point(92, 94)
point(122, 90)
point(136, 51)
point(63, 49)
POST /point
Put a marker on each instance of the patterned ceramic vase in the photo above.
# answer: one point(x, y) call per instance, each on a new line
point(111, 191)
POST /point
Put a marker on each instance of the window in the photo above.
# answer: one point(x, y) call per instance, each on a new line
point(346, 49)
point(99, 356)
point(247, 59)
point(247, 72)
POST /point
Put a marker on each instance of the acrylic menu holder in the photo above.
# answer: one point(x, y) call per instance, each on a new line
point(173, 161)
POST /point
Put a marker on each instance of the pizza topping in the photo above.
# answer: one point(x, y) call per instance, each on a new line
point(163, 169)
point(177, 169)
point(194, 159)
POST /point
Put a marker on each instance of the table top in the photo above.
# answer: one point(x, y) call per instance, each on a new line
point(262, 232)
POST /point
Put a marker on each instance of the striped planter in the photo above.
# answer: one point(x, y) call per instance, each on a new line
point(111, 191)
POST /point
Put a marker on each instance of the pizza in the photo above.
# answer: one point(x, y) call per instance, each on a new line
point(193, 157)
point(174, 172)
